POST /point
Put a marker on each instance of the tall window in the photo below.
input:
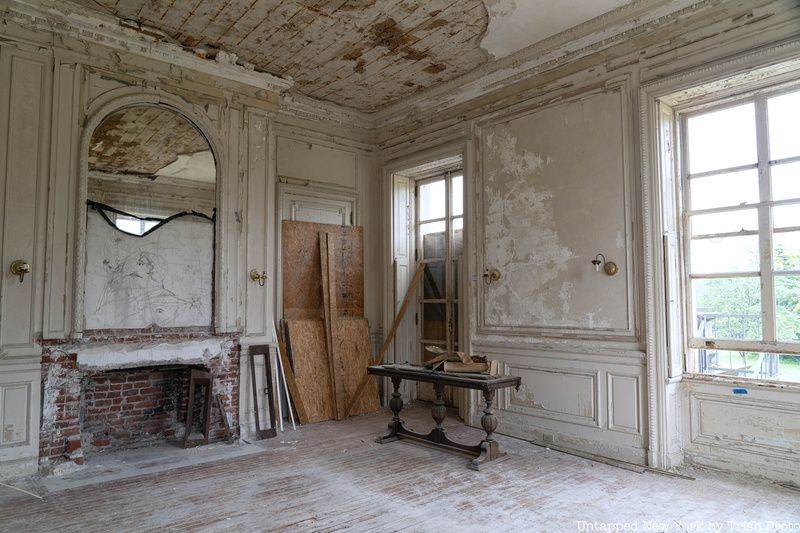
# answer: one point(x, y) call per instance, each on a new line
point(741, 183)
point(440, 243)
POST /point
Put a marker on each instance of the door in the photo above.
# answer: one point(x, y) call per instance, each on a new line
point(439, 245)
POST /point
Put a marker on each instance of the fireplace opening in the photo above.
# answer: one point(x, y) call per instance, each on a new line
point(134, 407)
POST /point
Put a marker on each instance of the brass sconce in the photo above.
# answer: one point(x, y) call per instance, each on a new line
point(258, 277)
point(20, 268)
point(491, 275)
point(609, 267)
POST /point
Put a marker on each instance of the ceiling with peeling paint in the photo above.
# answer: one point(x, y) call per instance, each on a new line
point(147, 140)
point(362, 54)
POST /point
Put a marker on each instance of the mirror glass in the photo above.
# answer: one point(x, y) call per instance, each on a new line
point(151, 202)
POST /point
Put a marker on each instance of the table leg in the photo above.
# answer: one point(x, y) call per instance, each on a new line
point(490, 449)
point(396, 405)
point(439, 412)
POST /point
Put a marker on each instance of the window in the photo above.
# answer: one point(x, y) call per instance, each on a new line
point(440, 243)
point(741, 220)
point(133, 225)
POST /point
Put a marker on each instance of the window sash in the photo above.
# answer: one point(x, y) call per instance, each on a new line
point(766, 273)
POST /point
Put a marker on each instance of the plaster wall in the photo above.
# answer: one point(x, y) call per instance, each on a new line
point(550, 189)
point(77, 80)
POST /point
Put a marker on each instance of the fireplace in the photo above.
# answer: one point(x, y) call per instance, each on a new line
point(125, 393)
point(133, 407)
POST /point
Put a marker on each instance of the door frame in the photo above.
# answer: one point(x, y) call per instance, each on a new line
point(320, 193)
point(463, 148)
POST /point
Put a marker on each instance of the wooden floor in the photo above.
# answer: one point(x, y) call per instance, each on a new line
point(333, 477)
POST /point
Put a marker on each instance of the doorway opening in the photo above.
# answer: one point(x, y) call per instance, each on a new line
point(429, 229)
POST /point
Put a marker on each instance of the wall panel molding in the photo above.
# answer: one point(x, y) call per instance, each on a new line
point(626, 232)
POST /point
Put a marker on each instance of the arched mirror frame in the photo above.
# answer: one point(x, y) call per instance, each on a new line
point(100, 109)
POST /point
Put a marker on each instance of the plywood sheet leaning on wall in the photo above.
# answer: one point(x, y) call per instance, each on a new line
point(352, 353)
point(302, 279)
point(306, 343)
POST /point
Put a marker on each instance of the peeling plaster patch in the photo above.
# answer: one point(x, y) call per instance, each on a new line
point(554, 197)
point(520, 234)
point(514, 25)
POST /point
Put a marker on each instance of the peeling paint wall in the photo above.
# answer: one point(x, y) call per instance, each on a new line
point(541, 216)
point(554, 197)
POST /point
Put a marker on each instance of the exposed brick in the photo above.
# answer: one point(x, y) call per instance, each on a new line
point(119, 408)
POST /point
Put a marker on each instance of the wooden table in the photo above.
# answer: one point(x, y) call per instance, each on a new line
point(488, 450)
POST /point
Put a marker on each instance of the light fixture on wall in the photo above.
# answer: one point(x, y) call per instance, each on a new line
point(491, 275)
point(258, 277)
point(609, 267)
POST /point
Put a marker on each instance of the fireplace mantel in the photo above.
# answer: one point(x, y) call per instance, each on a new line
point(99, 357)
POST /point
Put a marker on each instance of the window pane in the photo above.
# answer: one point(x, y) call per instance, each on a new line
point(727, 308)
point(433, 240)
point(786, 216)
point(787, 305)
point(458, 236)
point(724, 190)
point(434, 322)
point(748, 364)
point(432, 200)
point(727, 222)
point(722, 139)
point(725, 254)
point(786, 181)
point(784, 125)
point(786, 250)
point(457, 195)
point(433, 285)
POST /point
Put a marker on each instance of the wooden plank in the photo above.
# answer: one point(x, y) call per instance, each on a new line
point(300, 260)
point(353, 353)
point(412, 289)
point(326, 256)
point(291, 382)
point(306, 341)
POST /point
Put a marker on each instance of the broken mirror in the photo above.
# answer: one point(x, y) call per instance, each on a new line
point(150, 224)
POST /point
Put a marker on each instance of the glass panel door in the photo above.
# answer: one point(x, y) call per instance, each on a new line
point(440, 243)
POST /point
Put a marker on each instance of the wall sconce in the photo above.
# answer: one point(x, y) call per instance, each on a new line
point(491, 275)
point(609, 267)
point(258, 277)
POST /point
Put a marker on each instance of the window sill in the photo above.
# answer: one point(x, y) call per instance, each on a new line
point(750, 382)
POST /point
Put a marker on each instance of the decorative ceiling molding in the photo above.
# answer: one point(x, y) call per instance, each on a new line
point(64, 18)
point(590, 37)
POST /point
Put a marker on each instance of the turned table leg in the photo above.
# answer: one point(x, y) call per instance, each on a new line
point(439, 411)
point(396, 405)
point(490, 449)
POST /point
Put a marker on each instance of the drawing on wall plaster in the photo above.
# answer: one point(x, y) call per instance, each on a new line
point(542, 222)
point(162, 279)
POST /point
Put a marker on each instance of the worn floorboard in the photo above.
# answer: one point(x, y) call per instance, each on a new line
point(332, 476)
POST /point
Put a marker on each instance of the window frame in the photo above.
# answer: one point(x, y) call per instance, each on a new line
point(452, 298)
point(766, 273)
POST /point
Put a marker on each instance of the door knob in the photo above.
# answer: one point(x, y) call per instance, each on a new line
point(20, 268)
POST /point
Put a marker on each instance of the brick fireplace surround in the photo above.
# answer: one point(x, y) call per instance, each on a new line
point(88, 406)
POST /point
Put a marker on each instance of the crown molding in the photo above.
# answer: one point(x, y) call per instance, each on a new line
point(298, 105)
point(63, 18)
point(590, 37)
